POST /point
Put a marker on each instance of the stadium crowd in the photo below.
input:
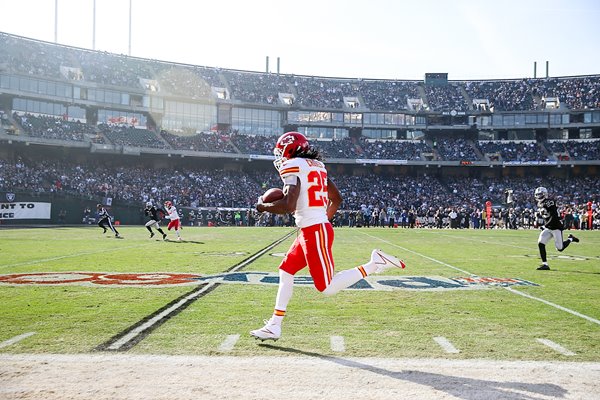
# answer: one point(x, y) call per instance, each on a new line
point(447, 148)
point(413, 201)
point(35, 58)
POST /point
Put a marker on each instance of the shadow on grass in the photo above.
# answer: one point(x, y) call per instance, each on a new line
point(460, 387)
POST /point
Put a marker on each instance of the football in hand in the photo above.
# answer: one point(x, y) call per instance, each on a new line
point(272, 195)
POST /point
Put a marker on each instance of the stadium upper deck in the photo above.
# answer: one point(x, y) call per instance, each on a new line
point(84, 98)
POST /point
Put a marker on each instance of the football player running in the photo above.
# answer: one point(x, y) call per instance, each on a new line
point(553, 226)
point(314, 200)
point(154, 214)
point(173, 215)
point(104, 220)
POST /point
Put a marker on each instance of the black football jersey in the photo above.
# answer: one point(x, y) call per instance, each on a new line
point(102, 213)
point(154, 213)
point(548, 211)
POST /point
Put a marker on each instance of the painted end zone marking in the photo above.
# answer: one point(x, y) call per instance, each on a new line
point(337, 344)
point(446, 345)
point(16, 339)
point(229, 343)
point(137, 332)
point(556, 346)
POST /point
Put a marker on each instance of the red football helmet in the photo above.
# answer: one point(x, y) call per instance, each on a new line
point(288, 145)
point(168, 204)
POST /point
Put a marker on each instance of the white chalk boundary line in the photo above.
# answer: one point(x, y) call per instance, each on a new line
point(16, 339)
point(148, 324)
point(87, 253)
point(337, 344)
point(419, 254)
point(559, 307)
point(446, 345)
point(595, 321)
point(556, 346)
point(229, 343)
point(139, 330)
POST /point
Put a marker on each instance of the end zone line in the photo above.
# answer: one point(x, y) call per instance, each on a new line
point(132, 334)
point(593, 320)
point(16, 339)
point(137, 332)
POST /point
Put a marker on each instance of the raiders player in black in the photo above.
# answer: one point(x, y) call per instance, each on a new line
point(553, 227)
point(104, 220)
point(154, 214)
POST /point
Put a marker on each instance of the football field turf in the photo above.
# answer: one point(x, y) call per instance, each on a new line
point(464, 295)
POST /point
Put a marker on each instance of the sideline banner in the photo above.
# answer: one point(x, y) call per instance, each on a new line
point(24, 210)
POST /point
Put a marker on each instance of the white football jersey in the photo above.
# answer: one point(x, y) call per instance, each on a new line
point(173, 214)
point(311, 207)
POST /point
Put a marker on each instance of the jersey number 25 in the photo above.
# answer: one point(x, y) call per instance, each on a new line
point(317, 192)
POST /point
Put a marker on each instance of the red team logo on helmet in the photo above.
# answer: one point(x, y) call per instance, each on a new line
point(288, 145)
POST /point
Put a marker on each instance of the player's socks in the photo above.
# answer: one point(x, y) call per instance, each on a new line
point(284, 294)
point(277, 317)
point(161, 231)
point(542, 248)
point(149, 229)
point(344, 279)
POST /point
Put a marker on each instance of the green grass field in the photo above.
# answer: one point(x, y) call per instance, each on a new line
point(491, 323)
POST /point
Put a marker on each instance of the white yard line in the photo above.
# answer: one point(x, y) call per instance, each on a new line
point(556, 346)
point(446, 345)
point(559, 307)
point(337, 344)
point(132, 334)
point(420, 255)
point(148, 324)
point(229, 343)
point(595, 321)
point(43, 260)
point(16, 339)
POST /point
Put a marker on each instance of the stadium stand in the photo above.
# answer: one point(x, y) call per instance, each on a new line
point(384, 149)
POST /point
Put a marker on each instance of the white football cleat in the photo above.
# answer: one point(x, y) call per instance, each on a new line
point(385, 261)
point(268, 332)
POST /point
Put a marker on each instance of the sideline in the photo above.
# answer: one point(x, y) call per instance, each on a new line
point(557, 306)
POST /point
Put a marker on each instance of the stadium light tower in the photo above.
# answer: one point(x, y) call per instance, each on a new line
point(94, 26)
point(129, 27)
point(55, 21)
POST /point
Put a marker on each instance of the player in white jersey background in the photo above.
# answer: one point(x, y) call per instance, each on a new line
point(173, 216)
point(314, 200)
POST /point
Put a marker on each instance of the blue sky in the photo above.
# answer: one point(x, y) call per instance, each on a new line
point(369, 39)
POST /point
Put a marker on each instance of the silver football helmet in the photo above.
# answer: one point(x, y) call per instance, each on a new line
point(541, 193)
